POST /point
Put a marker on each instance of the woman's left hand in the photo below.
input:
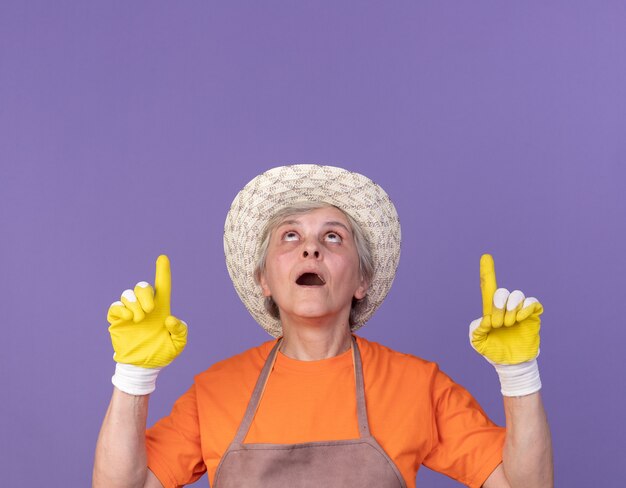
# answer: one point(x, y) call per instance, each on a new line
point(508, 331)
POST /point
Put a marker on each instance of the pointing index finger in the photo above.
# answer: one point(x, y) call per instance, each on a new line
point(488, 284)
point(163, 280)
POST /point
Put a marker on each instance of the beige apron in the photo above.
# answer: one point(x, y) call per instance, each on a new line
point(358, 462)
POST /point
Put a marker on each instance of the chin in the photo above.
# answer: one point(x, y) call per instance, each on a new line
point(316, 313)
point(310, 314)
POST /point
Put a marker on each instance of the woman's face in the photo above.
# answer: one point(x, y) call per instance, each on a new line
point(312, 267)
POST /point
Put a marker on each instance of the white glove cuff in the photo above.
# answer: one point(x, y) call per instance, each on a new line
point(519, 379)
point(135, 380)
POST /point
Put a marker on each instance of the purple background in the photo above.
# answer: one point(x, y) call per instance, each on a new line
point(126, 129)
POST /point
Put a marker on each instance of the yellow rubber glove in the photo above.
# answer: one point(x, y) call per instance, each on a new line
point(508, 332)
point(143, 331)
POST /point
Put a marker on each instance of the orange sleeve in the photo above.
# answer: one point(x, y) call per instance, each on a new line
point(466, 445)
point(173, 444)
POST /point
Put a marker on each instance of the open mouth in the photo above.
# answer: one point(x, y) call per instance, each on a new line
point(310, 279)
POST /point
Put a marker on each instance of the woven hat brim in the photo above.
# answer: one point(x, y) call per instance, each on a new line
point(361, 198)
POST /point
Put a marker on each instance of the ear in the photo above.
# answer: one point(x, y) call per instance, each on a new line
point(361, 291)
point(264, 286)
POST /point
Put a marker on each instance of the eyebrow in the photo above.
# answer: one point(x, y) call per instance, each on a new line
point(330, 223)
point(337, 223)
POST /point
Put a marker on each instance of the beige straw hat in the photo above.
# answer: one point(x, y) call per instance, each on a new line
point(361, 198)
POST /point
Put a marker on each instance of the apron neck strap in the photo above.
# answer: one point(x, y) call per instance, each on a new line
point(259, 388)
point(361, 407)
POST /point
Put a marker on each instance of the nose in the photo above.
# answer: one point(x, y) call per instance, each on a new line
point(311, 249)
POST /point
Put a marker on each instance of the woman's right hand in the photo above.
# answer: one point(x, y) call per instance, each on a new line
point(145, 338)
point(143, 331)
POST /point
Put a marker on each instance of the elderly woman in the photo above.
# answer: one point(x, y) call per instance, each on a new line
point(312, 252)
